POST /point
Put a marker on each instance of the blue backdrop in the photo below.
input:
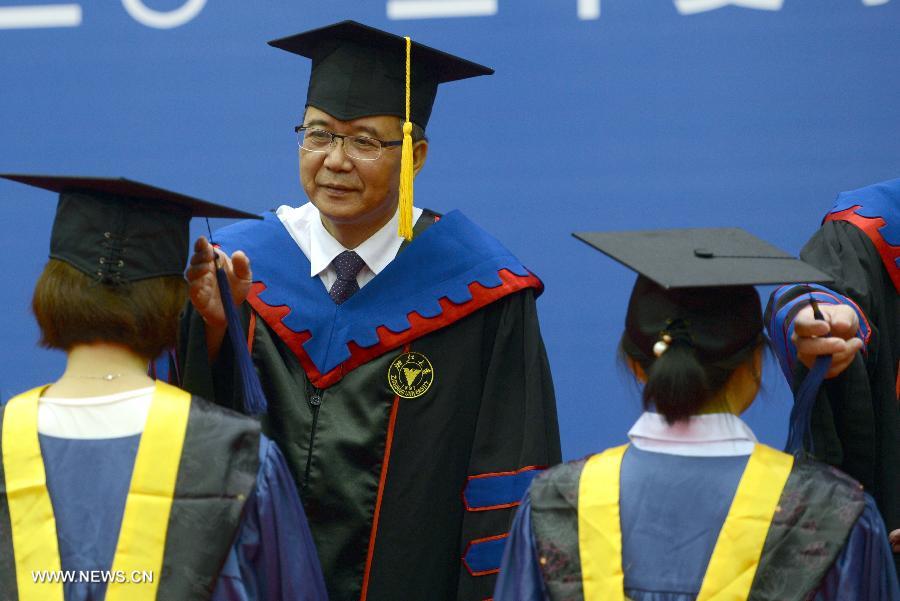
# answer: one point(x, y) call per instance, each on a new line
point(603, 114)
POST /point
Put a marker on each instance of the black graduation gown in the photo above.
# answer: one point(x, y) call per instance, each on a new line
point(407, 498)
point(855, 423)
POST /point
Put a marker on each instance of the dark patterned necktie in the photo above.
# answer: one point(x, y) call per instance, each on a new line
point(347, 266)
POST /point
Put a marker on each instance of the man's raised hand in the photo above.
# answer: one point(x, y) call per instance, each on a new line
point(204, 289)
point(834, 335)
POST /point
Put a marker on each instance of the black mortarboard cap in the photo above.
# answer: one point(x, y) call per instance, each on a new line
point(119, 230)
point(359, 71)
point(693, 257)
point(699, 282)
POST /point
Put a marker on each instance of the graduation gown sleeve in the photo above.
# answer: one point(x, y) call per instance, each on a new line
point(516, 436)
point(217, 382)
point(864, 570)
point(273, 557)
point(520, 575)
point(856, 421)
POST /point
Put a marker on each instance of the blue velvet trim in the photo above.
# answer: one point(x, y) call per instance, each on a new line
point(441, 262)
point(878, 200)
point(485, 555)
point(165, 368)
point(501, 489)
point(781, 337)
point(159, 368)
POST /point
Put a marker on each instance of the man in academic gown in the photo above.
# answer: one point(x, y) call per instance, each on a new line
point(406, 378)
point(856, 421)
point(106, 471)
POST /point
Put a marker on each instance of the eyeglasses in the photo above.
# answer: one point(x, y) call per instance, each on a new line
point(363, 148)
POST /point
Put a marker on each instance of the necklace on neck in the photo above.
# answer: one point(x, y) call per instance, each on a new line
point(106, 377)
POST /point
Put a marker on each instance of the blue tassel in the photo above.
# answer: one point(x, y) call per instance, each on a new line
point(804, 401)
point(805, 398)
point(254, 399)
point(174, 373)
point(165, 368)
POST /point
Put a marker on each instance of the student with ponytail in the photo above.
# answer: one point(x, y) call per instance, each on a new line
point(694, 508)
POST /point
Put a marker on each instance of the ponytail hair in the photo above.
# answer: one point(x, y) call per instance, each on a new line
point(681, 381)
point(689, 341)
point(677, 385)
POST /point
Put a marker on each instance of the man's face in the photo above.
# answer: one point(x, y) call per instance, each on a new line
point(351, 193)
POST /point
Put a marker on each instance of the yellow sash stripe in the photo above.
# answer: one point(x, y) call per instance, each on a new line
point(142, 538)
point(738, 549)
point(599, 529)
point(30, 512)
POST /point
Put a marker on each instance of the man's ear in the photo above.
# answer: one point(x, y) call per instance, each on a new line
point(420, 153)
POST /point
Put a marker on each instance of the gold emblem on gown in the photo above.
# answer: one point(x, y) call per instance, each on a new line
point(410, 375)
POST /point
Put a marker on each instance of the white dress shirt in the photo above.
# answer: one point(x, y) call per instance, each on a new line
point(304, 224)
point(707, 435)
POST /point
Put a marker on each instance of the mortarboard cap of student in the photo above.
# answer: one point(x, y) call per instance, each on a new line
point(119, 230)
point(360, 71)
point(704, 276)
point(121, 233)
point(695, 289)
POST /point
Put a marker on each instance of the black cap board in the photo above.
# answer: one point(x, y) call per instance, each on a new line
point(360, 71)
point(694, 257)
point(120, 230)
point(696, 284)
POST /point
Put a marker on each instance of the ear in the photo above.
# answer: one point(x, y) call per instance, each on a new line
point(420, 153)
point(758, 363)
point(744, 383)
point(637, 369)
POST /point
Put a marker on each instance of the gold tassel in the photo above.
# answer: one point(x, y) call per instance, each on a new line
point(406, 163)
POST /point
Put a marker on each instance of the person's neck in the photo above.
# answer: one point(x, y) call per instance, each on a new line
point(100, 369)
point(739, 391)
point(351, 235)
point(730, 401)
point(715, 407)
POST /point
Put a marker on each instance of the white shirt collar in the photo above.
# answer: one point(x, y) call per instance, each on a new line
point(305, 225)
point(323, 248)
point(707, 435)
point(380, 248)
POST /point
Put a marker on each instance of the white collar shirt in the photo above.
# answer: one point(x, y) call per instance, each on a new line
point(707, 435)
point(304, 224)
